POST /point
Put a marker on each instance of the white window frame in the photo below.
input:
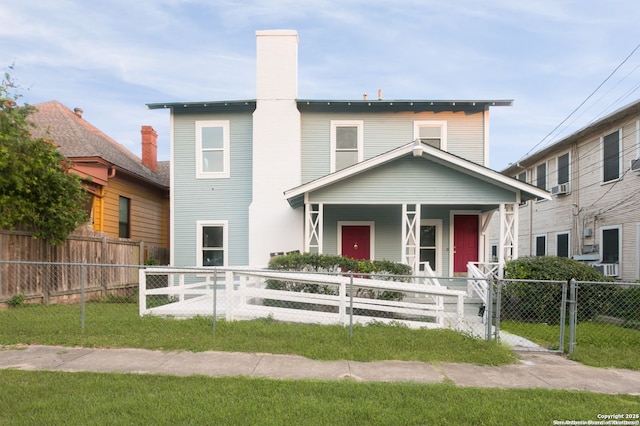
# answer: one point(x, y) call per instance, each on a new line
point(568, 234)
point(359, 124)
point(526, 177)
point(535, 244)
point(437, 268)
point(226, 148)
point(620, 157)
point(608, 228)
point(432, 123)
point(225, 239)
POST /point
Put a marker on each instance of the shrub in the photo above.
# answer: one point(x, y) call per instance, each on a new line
point(540, 301)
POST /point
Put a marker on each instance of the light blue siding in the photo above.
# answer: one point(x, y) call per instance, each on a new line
point(211, 199)
point(386, 131)
point(410, 179)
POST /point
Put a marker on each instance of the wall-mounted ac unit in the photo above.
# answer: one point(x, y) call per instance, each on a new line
point(607, 269)
point(562, 189)
point(635, 165)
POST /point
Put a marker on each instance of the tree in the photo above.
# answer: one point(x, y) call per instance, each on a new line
point(37, 192)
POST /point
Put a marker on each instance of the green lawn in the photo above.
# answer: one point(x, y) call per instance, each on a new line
point(29, 398)
point(598, 344)
point(118, 325)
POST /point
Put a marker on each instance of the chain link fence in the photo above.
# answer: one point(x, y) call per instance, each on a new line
point(602, 318)
point(568, 316)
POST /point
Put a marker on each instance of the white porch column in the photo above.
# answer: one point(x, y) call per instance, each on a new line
point(508, 243)
point(313, 228)
point(411, 235)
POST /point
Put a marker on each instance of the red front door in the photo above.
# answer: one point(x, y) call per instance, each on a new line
point(356, 241)
point(465, 241)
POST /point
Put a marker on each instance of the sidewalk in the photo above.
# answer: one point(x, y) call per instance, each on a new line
point(535, 370)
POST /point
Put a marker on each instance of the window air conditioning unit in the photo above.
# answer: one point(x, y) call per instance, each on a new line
point(607, 269)
point(562, 189)
point(635, 165)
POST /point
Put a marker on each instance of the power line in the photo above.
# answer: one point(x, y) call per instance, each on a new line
point(583, 102)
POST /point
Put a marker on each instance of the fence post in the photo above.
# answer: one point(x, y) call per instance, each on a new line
point(215, 287)
point(83, 275)
point(498, 305)
point(563, 315)
point(351, 306)
point(142, 291)
point(489, 309)
point(573, 302)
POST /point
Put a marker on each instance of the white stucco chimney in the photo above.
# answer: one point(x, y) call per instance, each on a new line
point(273, 225)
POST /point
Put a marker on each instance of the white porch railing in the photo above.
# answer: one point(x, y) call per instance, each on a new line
point(480, 275)
point(243, 294)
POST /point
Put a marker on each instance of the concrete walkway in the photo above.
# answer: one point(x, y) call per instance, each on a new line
point(535, 369)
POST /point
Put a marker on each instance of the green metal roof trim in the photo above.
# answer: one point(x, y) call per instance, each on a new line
point(398, 105)
point(348, 105)
point(248, 105)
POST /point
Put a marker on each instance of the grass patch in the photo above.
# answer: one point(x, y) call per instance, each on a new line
point(597, 344)
point(29, 397)
point(118, 325)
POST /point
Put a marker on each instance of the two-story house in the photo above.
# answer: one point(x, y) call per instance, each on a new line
point(401, 180)
point(129, 195)
point(594, 213)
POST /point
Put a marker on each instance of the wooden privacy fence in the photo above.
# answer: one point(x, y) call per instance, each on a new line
point(82, 246)
point(47, 280)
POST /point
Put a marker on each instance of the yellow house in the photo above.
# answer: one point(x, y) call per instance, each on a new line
point(130, 195)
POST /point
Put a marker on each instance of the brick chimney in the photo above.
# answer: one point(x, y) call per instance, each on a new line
point(150, 148)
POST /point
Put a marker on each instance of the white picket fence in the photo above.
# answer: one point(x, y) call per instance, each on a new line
point(240, 294)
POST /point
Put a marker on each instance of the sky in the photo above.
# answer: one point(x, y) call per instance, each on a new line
point(563, 63)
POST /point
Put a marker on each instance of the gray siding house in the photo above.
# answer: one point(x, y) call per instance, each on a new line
point(594, 213)
point(401, 180)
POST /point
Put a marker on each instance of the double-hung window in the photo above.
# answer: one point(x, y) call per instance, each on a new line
point(346, 143)
point(212, 243)
point(212, 149)
point(541, 245)
point(522, 177)
point(562, 244)
point(563, 169)
point(124, 218)
point(610, 241)
point(541, 176)
point(611, 158)
point(432, 133)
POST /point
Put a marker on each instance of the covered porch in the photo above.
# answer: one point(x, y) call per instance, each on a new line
point(416, 205)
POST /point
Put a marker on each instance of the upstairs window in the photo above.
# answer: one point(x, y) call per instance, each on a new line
point(432, 133)
point(522, 177)
point(212, 149)
point(346, 144)
point(611, 157)
point(563, 169)
point(541, 176)
point(124, 218)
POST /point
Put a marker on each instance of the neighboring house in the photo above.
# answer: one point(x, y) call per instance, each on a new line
point(594, 215)
point(130, 196)
point(401, 180)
